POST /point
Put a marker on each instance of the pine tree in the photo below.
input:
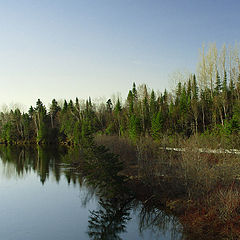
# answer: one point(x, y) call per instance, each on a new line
point(145, 115)
point(40, 119)
point(130, 102)
point(218, 85)
point(117, 112)
point(178, 93)
point(134, 127)
point(54, 109)
point(65, 106)
point(153, 104)
point(134, 92)
point(194, 102)
point(156, 125)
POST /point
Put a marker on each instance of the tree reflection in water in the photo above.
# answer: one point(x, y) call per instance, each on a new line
point(110, 220)
point(115, 201)
point(102, 172)
point(159, 221)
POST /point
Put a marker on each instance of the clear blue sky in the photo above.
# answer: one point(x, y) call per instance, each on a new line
point(79, 48)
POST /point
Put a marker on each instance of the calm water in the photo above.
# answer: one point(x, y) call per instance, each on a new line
point(41, 197)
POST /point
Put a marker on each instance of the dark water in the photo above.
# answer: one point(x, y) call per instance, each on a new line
point(42, 197)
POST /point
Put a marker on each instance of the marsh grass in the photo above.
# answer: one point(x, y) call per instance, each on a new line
point(123, 147)
point(208, 184)
point(212, 184)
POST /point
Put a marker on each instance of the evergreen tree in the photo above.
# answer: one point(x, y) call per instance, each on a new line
point(41, 122)
point(194, 103)
point(145, 115)
point(117, 113)
point(130, 102)
point(134, 127)
point(153, 104)
point(218, 85)
point(134, 92)
point(156, 126)
point(109, 105)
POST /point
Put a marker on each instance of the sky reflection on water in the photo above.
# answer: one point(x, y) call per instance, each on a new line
point(56, 209)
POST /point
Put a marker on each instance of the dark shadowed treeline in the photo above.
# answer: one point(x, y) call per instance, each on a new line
point(207, 102)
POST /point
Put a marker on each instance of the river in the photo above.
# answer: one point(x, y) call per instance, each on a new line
point(43, 197)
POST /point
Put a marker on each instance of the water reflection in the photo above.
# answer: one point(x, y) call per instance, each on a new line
point(116, 205)
point(159, 221)
point(110, 220)
point(41, 160)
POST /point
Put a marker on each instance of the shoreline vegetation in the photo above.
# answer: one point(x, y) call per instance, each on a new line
point(201, 188)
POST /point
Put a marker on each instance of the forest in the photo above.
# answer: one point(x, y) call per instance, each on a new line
point(130, 136)
point(207, 102)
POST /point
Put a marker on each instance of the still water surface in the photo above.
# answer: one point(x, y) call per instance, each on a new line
point(42, 198)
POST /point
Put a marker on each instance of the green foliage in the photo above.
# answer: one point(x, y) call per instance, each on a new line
point(130, 102)
point(218, 84)
point(134, 127)
point(157, 125)
point(118, 107)
point(7, 132)
point(194, 88)
point(188, 111)
point(86, 132)
point(233, 125)
point(27, 127)
point(110, 129)
point(77, 133)
point(153, 103)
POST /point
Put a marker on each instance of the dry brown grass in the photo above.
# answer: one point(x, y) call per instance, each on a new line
point(217, 217)
point(190, 172)
point(208, 182)
point(212, 183)
point(202, 172)
point(120, 146)
point(227, 203)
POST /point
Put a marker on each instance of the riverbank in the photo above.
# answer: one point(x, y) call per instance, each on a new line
point(201, 188)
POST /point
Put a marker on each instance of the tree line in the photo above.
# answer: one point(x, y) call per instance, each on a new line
point(208, 101)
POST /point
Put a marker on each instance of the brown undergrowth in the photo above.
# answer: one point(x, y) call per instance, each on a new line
point(203, 189)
